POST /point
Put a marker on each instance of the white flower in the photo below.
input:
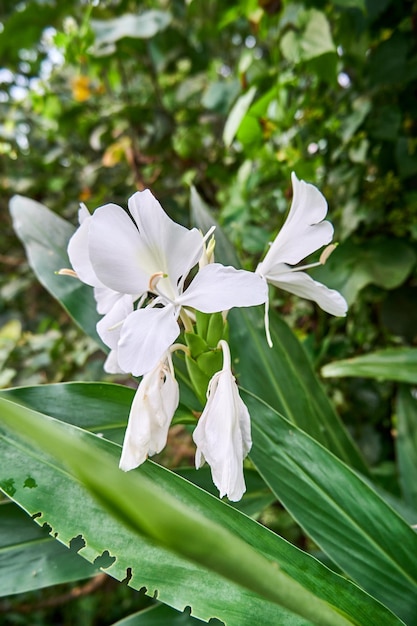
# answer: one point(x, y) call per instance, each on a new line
point(303, 232)
point(152, 410)
point(153, 254)
point(222, 435)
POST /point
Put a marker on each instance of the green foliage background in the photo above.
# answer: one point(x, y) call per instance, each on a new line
point(100, 99)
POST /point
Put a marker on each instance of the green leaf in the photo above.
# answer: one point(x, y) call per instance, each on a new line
point(143, 26)
point(175, 513)
point(282, 375)
point(312, 40)
point(341, 512)
point(161, 615)
point(406, 443)
point(236, 115)
point(101, 408)
point(399, 364)
point(45, 237)
point(352, 266)
point(351, 4)
point(30, 559)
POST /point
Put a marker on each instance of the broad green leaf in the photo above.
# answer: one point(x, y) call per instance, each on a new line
point(406, 443)
point(352, 266)
point(344, 516)
point(236, 116)
point(162, 615)
point(45, 237)
point(101, 408)
point(282, 375)
point(398, 364)
point(30, 559)
point(179, 582)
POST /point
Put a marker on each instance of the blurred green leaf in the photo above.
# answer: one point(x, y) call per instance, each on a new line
point(312, 40)
point(30, 559)
point(45, 237)
point(399, 364)
point(236, 116)
point(406, 442)
point(143, 26)
point(353, 265)
point(166, 501)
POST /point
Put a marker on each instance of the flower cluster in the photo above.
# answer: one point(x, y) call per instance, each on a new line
point(153, 278)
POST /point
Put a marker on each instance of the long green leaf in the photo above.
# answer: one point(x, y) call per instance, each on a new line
point(30, 559)
point(179, 583)
point(45, 236)
point(406, 444)
point(282, 375)
point(161, 615)
point(352, 524)
point(398, 364)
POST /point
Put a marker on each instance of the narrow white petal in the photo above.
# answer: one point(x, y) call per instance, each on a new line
point(301, 284)
point(172, 248)
point(116, 249)
point(145, 336)
point(218, 288)
point(304, 230)
point(109, 326)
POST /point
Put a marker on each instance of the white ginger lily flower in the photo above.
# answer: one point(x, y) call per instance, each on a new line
point(154, 254)
point(151, 413)
point(223, 434)
point(303, 232)
point(112, 304)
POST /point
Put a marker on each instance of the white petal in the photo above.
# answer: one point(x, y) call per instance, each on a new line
point(145, 336)
point(303, 232)
point(116, 249)
point(151, 413)
point(301, 284)
point(223, 435)
point(106, 298)
point(218, 288)
point(111, 364)
point(78, 253)
point(109, 326)
point(172, 248)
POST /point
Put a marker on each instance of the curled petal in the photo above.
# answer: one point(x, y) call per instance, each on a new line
point(109, 326)
point(223, 436)
point(304, 230)
point(145, 336)
point(301, 284)
point(116, 250)
point(151, 413)
point(218, 288)
point(79, 254)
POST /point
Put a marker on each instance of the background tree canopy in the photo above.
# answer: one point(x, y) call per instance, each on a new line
point(102, 98)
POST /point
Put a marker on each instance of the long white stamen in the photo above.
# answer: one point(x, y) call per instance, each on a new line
point(266, 322)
